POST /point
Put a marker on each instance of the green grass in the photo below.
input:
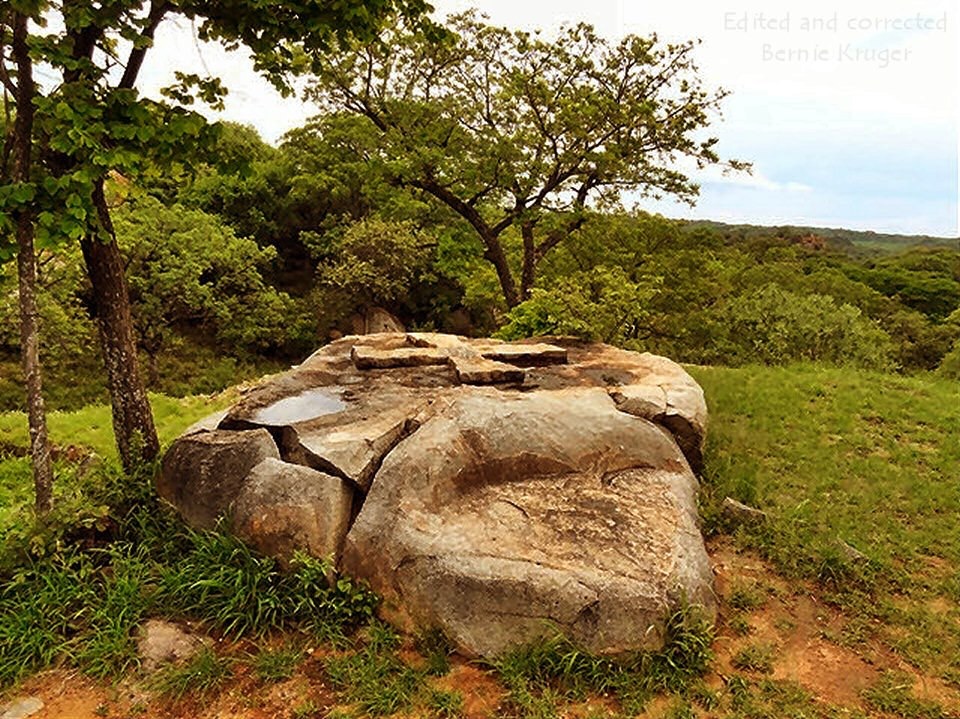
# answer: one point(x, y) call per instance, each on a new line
point(376, 680)
point(893, 694)
point(775, 699)
point(746, 596)
point(754, 658)
point(274, 665)
point(441, 703)
point(540, 677)
point(81, 605)
point(839, 455)
point(201, 675)
point(92, 427)
point(90, 432)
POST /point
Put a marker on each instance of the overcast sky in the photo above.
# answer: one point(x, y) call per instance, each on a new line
point(848, 110)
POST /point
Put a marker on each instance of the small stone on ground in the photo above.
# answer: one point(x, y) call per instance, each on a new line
point(21, 707)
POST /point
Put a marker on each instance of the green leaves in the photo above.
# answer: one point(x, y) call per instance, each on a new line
point(17, 194)
point(191, 86)
point(374, 262)
point(512, 131)
point(90, 124)
point(186, 268)
point(603, 304)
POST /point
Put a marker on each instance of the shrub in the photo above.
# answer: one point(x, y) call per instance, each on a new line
point(950, 365)
point(773, 326)
point(602, 304)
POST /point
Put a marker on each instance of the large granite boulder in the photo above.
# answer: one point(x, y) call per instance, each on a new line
point(494, 491)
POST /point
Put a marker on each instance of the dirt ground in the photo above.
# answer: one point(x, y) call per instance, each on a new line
point(790, 618)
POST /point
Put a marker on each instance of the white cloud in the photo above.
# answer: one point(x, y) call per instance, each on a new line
point(756, 180)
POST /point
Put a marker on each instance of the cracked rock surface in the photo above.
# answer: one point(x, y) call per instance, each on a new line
point(497, 492)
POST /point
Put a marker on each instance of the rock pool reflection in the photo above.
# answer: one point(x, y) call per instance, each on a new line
point(302, 407)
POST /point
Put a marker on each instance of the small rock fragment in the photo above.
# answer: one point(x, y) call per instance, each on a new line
point(738, 513)
point(162, 642)
point(21, 707)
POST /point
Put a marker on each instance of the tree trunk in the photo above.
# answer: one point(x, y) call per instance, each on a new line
point(133, 426)
point(495, 255)
point(30, 357)
point(529, 270)
point(27, 276)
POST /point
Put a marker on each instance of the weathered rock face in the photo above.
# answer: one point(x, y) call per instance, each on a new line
point(494, 491)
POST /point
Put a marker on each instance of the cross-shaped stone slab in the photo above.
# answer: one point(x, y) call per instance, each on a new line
point(493, 363)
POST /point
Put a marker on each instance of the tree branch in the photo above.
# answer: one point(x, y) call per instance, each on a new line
point(8, 83)
point(137, 53)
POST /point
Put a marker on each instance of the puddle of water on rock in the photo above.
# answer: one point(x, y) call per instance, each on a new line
point(301, 407)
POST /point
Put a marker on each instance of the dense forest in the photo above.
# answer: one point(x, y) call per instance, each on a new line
point(246, 259)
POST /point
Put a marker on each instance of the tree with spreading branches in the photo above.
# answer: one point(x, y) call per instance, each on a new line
point(522, 135)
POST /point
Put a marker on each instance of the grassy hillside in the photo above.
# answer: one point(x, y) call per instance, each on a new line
point(871, 460)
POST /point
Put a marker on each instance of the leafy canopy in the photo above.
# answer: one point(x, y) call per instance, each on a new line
point(90, 119)
point(516, 132)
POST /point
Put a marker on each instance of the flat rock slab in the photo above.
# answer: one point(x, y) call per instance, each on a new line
point(496, 491)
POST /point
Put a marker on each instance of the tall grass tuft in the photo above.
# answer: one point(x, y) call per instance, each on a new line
point(541, 673)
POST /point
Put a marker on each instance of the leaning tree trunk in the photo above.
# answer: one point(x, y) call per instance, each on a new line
point(133, 425)
point(27, 275)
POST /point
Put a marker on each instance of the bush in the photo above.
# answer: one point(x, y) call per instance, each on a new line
point(772, 326)
point(602, 304)
point(950, 366)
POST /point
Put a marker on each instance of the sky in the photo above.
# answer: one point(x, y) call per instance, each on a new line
point(849, 111)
